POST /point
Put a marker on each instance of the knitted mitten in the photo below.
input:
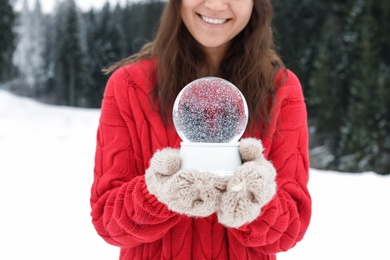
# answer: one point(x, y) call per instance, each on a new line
point(252, 186)
point(188, 192)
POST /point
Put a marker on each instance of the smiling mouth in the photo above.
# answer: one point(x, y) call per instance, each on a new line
point(212, 20)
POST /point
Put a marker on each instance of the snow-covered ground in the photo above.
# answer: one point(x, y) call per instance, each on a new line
point(46, 164)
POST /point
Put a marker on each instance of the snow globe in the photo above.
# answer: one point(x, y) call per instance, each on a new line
point(210, 115)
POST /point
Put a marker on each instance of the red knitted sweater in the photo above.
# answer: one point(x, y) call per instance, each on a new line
point(126, 215)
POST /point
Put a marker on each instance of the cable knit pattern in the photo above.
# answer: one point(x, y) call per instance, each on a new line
point(125, 213)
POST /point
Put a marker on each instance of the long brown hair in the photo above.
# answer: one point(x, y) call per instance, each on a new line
point(250, 63)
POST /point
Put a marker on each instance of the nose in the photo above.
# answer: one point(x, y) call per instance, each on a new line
point(216, 5)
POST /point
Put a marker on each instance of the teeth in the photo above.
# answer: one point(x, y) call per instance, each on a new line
point(213, 21)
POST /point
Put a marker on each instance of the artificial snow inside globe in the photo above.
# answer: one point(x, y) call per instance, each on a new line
point(210, 115)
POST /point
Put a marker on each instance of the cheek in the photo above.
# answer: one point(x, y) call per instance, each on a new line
point(243, 11)
point(182, 10)
point(246, 15)
point(185, 11)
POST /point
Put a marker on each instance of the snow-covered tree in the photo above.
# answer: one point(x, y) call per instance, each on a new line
point(366, 141)
point(105, 45)
point(69, 65)
point(328, 93)
point(7, 39)
point(28, 57)
point(22, 57)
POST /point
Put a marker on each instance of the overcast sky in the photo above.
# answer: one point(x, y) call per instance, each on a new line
point(48, 5)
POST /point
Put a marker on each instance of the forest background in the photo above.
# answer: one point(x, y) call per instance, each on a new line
point(340, 50)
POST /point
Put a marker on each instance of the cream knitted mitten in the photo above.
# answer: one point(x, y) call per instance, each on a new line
point(192, 193)
point(252, 186)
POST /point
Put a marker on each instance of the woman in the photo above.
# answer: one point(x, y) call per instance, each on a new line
point(142, 202)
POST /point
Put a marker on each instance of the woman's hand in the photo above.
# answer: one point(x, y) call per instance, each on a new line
point(252, 186)
point(188, 192)
point(237, 200)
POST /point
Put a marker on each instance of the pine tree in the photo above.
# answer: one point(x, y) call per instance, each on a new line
point(7, 39)
point(69, 69)
point(47, 88)
point(153, 10)
point(38, 42)
point(340, 51)
point(106, 45)
point(139, 22)
point(22, 56)
point(92, 91)
point(297, 26)
point(28, 57)
point(328, 93)
point(366, 137)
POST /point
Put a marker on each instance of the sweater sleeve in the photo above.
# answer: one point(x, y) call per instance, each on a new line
point(123, 212)
point(285, 219)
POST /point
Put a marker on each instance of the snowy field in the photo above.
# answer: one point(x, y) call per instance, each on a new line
point(46, 164)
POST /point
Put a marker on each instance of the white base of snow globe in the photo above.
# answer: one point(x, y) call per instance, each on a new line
point(217, 158)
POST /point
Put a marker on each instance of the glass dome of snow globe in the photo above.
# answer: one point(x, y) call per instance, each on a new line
point(210, 110)
point(210, 115)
